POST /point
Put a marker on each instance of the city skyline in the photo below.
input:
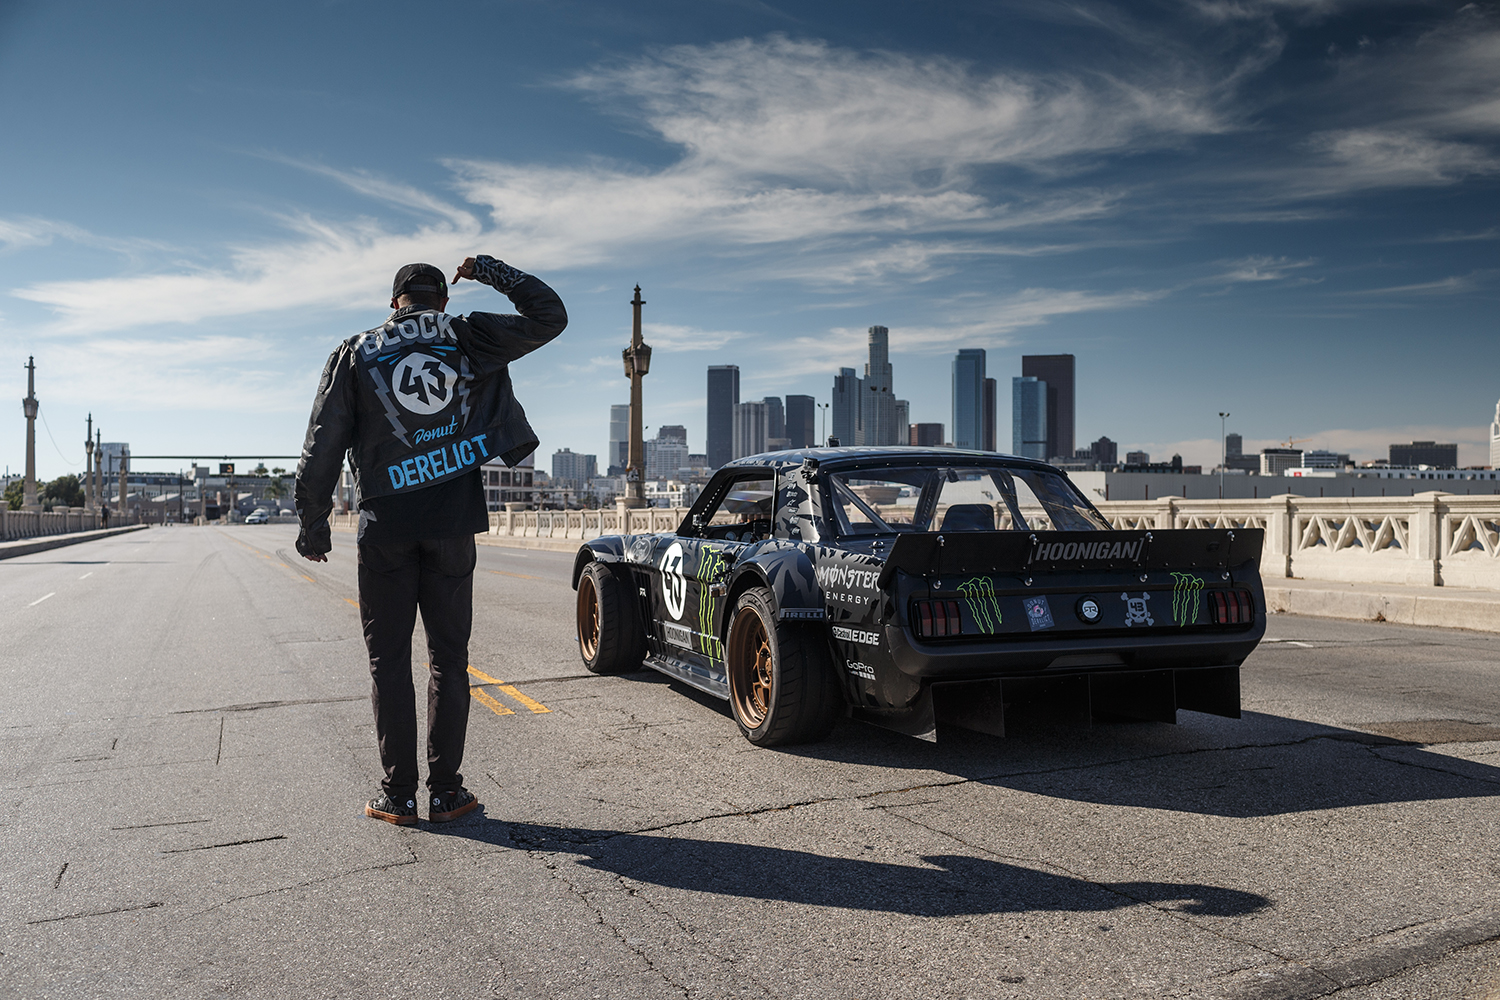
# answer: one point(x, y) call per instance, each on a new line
point(1199, 200)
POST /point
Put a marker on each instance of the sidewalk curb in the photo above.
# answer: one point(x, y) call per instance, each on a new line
point(26, 546)
point(545, 544)
point(1434, 610)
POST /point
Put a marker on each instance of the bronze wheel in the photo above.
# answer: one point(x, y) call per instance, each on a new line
point(610, 637)
point(588, 617)
point(751, 668)
point(782, 688)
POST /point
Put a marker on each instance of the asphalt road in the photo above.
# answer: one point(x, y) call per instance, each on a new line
point(187, 744)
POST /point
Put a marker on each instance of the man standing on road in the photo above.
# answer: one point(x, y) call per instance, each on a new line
point(419, 404)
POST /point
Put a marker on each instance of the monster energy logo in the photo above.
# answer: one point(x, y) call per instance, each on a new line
point(979, 595)
point(711, 570)
point(1185, 590)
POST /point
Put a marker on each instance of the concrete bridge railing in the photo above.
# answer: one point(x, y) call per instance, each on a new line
point(18, 524)
point(1429, 540)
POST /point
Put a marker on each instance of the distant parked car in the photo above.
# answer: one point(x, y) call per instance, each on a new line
point(258, 517)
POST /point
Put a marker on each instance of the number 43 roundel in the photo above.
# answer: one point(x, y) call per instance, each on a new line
point(423, 384)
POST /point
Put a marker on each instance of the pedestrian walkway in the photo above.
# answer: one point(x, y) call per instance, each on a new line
point(1440, 607)
point(26, 546)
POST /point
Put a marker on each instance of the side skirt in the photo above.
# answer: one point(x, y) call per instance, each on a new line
point(714, 683)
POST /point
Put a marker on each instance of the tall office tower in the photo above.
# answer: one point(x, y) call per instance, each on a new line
point(1104, 451)
point(846, 400)
point(1234, 445)
point(877, 414)
point(571, 470)
point(749, 428)
point(774, 417)
point(619, 439)
point(927, 435)
point(968, 398)
point(1028, 417)
point(1057, 371)
point(723, 397)
point(667, 452)
point(802, 422)
point(1495, 439)
point(903, 421)
point(989, 414)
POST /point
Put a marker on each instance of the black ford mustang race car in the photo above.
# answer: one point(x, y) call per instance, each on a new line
point(911, 586)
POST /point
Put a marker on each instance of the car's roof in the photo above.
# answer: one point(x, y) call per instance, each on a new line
point(882, 456)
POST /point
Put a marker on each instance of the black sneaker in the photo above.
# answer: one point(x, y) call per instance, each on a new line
point(402, 812)
point(451, 805)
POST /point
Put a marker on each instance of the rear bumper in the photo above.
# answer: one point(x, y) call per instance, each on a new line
point(1065, 654)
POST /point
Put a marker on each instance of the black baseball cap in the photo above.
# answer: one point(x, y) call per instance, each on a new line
point(420, 278)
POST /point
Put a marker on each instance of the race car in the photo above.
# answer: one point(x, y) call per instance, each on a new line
point(909, 587)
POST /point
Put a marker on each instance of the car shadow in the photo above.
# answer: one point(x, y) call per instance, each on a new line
point(950, 885)
point(1258, 765)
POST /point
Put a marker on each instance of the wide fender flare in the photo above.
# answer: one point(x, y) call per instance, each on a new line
point(788, 574)
point(605, 549)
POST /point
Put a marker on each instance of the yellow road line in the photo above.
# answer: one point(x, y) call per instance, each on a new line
point(482, 696)
point(349, 600)
point(536, 707)
point(309, 579)
point(519, 576)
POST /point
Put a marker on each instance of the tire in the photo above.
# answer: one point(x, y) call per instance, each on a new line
point(782, 689)
point(610, 637)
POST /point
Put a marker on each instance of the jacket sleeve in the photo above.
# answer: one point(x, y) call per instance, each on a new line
point(330, 430)
point(500, 339)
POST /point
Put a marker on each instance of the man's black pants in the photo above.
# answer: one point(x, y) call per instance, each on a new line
point(395, 579)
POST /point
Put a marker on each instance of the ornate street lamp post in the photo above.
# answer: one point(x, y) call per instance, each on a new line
point(29, 404)
point(1223, 452)
point(637, 365)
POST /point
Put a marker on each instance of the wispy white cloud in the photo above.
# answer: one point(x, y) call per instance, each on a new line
point(1259, 268)
point(1452, 285)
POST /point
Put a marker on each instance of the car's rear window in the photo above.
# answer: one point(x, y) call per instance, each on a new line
point(957, 498)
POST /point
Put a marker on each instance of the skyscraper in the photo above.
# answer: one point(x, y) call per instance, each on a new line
point(802, 422)
point(571, 470)
point(1495, 439)
point(1057, 371)
point(667, 452)
point(1028, 417)
point(775, 424)
point(927, 435)
point(903, 421)
point(968, 398)
point(878, 410)
point(723, 397)
point(989, 414)
point(749, 428)
point(846, 400)
point(619, 439)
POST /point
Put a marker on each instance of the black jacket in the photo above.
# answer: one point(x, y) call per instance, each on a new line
point(421, 399)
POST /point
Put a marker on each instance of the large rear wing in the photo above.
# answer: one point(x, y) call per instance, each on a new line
point(936, 553)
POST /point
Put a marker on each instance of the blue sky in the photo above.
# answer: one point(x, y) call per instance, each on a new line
point(1286, 209)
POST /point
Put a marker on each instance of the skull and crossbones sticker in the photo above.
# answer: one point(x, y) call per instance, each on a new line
point(1136, 611)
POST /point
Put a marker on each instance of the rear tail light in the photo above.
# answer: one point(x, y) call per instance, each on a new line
point(1231, 607)
point(937, 618)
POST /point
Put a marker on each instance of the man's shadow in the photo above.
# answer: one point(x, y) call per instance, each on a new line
point(953, 885)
